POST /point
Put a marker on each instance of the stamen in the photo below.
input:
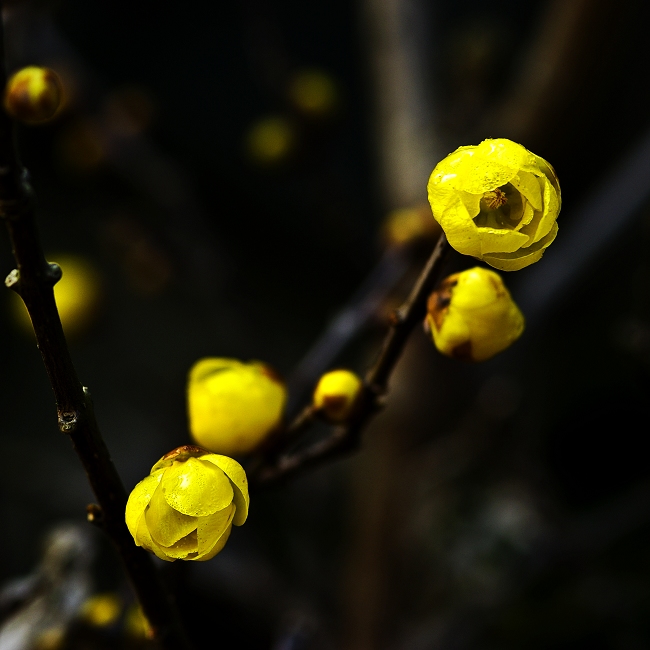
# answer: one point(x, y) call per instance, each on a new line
point(494, 199)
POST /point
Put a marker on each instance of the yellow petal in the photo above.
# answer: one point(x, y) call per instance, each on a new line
point(212, 527)
point(472, 170)
point(524, 257)
point(183, 549)
point(196, 488)
point(528, 185)
point(462, 233)
point(218, 546)
point(453, 333)
point(494, 240)
point(143, 538)
point(235, 472)
point(139, 500)
point(165, 524)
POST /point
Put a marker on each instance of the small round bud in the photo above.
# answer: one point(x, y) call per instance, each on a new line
point(33, 95)
point(233, 406)
point(336, 394)
point(186, 507)
point(472, 315)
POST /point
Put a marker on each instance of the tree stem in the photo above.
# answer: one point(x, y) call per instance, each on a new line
point(346, 438)
point(34, 281)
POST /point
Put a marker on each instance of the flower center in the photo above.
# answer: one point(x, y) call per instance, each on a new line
point(501, 208)
point(494, 199)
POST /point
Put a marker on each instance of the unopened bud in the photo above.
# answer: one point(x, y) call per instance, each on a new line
point(233, 406)
point(33, 95)
point(472, 315)
point(336, 394)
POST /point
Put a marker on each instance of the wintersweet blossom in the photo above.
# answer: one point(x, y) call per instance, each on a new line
point(497, 202)
point(186, 507)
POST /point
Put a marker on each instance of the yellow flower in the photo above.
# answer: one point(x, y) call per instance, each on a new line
point(497, 202)
point(185, 509)
point(472, 315)
point(233, 406)
point(33, 95)
point(336, 394)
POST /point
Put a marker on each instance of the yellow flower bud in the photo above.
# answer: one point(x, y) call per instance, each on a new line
point(33, 95)
point(233, 406)
point(472, 315)
point(497, 202)
point(336, 394)
point(185, 508)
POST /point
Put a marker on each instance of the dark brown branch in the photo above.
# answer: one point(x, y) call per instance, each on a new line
point(34, 281)
point(346, 438)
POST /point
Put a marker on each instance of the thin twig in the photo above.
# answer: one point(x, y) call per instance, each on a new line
point(346, 438)
point(34, 281)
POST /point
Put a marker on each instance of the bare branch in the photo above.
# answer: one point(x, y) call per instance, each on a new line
point(346, 438)
point(34, 281)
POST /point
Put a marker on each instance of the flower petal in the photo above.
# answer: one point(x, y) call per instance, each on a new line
point(235, 472)
point(165, 524)
point(495, 240)
point(196, 488)
point(212, 527)
point(218, 546)
point(528, 185)
point(143, 538)
point(183, 548)
point(139, 500)
point(524, 257)
point(462, 233)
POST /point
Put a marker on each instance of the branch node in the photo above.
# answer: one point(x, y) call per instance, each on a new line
point(53, 273)
point(12, 281)
point(94, 514)
point(68, 421)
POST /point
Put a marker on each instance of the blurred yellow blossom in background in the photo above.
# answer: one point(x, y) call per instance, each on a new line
point(102, 610)
point(185, 508)
point(270, 140)
point(233, 406)
point(407, 225)
point(497, 202)
point(472, 315)
point(78, 296)
point(313, 92)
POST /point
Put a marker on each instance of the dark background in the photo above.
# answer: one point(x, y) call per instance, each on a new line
point(505, 505)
